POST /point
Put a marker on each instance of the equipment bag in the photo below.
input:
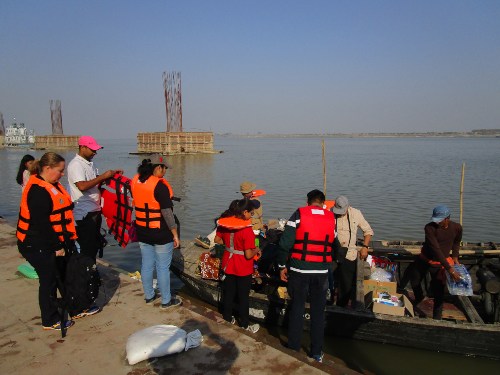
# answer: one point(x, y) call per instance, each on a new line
point(81, 284)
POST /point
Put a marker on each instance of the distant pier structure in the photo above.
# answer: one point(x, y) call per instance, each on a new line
point(175, 141)
point(2, 131)
point(57, 140)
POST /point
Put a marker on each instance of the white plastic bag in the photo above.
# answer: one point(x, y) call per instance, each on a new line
point(380, 274)
point(160, 340)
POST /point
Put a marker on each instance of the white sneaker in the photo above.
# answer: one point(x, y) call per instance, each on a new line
point(253, 328)
point(233, 320)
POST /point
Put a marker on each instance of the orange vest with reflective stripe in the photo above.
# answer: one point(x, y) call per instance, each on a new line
point(61, 218)
point(147, 208)
point(315, 235)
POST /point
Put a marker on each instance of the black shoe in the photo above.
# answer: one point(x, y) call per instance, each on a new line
point(173, 302)
point(152, 299)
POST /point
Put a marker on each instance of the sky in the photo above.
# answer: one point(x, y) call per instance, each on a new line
point(261, 66)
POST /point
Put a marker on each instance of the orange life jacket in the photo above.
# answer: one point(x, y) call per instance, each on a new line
point(327, 205)
point(315, 235)
point(257, 193)
point(147, 208)
point(61, 218)
point(117, 207)
point(449, 260)
point(232, 222)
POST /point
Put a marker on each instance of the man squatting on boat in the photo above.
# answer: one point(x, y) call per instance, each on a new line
point(442, 236)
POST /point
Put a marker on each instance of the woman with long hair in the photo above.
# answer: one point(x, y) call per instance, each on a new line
point(45, 229)
point(24, 171)
point(234, 231)
point(156, 228)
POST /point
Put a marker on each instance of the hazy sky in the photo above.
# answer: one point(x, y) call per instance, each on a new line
point(252, 66)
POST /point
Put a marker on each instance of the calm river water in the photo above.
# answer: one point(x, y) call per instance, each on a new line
point(395, 182)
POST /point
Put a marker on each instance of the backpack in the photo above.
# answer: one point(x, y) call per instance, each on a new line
point(81, 284)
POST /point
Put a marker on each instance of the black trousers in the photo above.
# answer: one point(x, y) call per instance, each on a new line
point(300, 286)
point(88, 231)
point(417, 274)
point(346, 278)
point(237, 286)
point(48, 267)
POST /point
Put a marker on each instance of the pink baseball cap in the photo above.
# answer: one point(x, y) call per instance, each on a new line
point(90, 142)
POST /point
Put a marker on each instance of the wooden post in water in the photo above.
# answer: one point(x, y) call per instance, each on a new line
point(324, 165)
point(462, 192)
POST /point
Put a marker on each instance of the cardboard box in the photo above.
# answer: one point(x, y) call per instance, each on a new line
point(382, 308)
point(379, 286)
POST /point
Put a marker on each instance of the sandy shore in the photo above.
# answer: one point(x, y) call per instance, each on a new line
point(96, 344)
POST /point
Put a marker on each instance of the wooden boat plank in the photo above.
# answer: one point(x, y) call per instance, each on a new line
point(469, 309)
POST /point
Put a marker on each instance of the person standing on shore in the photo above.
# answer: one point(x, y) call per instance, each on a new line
point(46, 231)
point(308, 243)
point(24, 172)
point(234, 231)
point(156, 228)
point(84, 181)
point(349, 220)
point(442, 237)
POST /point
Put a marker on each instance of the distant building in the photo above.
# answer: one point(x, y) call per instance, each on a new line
point(17, 135)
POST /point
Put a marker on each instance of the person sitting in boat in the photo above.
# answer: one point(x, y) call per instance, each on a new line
point(24, 172)
point(234, 231)
point(442, 237)
point(308, 242)
point(248, 190)
point(349, 220)
point(156, 228)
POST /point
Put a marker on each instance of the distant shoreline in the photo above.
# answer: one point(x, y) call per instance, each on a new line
point(483, 133)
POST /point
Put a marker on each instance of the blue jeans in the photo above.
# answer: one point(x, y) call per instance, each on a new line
point(161, 256)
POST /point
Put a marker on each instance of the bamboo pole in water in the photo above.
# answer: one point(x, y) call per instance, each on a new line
point(462, 192)
point(324, 165)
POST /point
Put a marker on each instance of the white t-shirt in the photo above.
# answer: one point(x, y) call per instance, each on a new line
point(80, 169)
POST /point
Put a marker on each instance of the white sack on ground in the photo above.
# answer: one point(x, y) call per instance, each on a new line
point(159, 340)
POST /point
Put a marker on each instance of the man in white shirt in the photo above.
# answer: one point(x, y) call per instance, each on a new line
point(349, 220)
point(84, 180)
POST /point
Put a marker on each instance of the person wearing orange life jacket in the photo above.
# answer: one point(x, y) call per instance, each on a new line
point(45, 230)
point(234, 230)
point(442, 237)
point(307, 244)
point(156, 228)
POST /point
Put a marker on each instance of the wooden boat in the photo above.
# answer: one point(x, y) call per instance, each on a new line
point(468, 335)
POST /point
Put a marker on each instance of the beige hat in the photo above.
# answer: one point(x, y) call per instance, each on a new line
point(157, 159)
point(246, 187)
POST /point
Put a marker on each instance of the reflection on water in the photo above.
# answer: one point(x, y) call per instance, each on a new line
point(395, 182)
